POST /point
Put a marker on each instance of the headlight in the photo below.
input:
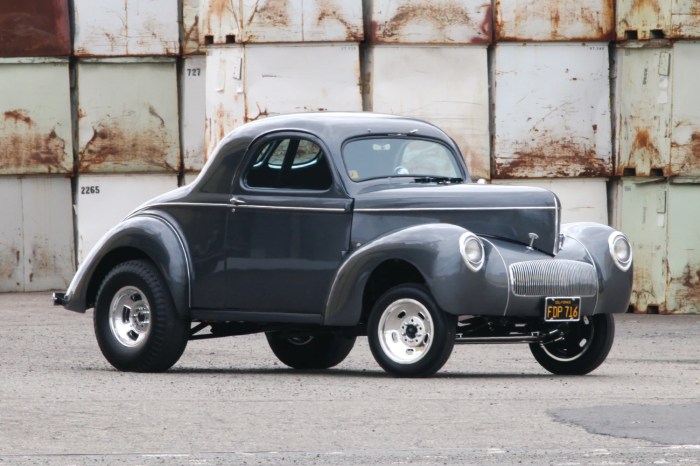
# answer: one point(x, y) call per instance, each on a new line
point(620, 250)
point(472, 251)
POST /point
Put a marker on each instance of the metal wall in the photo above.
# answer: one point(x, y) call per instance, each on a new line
point(649, 19)
point(34, 28)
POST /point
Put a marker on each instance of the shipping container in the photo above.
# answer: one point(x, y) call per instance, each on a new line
point(35, 122)
point(654, 19)
point(190, 28)
point(189, 178)
point(192, 111)
point(256, 21)
point(552, 110)
point(401, 79)
point(128, 115)
point(34, 28)
point(581, 199)
point(126, 28)
point(643, 108)
point(429, 21)
point(562, 20)
point(36, 234)
point(661, 218)
point(103, 200)
point(248, 82)
point(685, 135)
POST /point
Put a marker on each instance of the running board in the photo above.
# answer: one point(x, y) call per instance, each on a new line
point(534, 338)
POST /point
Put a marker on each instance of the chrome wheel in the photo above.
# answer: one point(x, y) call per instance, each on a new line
point(574, 344)
point(130, 316)
point(405, 331)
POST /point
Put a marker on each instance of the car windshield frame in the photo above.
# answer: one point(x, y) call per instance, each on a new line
point(455, 173)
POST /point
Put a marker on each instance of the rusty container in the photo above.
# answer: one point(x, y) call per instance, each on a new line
point(661, 216)
point(248, 82)
point(126, 28)
point(128, 115)
point(103, 200)
point(559, 20)
point(193, 111)
point(582, 199)
point(35, 116)
point(189, 34)
point(552, 110)
point(429, 22)
point(255, 21)
point(455, 98)
point(643, 108)
point(36, 233)
point(658, 19)
point(34, 28)
point(685, 133)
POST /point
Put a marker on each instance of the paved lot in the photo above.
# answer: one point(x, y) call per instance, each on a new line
point(229, 401)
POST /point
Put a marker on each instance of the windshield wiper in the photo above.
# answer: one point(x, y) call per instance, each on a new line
point(437, 179)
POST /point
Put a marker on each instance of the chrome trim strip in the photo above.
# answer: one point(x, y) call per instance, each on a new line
point(247, 206)
point(421, 209)
point(553, 277)
point(189, 204)
point(557, 225)
point(510, 290)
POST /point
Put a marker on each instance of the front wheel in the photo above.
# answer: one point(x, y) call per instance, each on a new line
point(311, 351)
point(409, 335)
point(583, 348)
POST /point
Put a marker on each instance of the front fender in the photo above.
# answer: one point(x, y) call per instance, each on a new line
point(150, 235)
point(433, 249)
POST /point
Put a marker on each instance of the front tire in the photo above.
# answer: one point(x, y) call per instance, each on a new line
point(409, 335)
point(583, 348)
point(310, 352)
point(136, 325)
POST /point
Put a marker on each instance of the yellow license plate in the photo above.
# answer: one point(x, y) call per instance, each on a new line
point(562, 309)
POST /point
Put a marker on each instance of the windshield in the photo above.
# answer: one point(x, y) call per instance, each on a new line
point(399, 156)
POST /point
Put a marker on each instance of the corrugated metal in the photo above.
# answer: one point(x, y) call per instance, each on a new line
point(255, 81)
point(104, 200)
point(126, 27)
point(650, 19)
point(128, 116)
point(425, 21)
point(401, 80)
point(190, 28)
point(35, 117)
point(552, 110)
point(555, 20)
point(36, 234)
point(582, 199)
point(661, 218)
point(644, 90)
point(34, 28)
point(193, 111)
point(250, 21)
point(685, 136)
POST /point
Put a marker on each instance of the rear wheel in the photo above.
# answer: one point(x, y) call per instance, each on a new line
point(136, 324)
point(310, 352)
point(583, 348)
point(408, 333)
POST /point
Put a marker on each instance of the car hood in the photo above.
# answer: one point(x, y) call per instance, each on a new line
point(507, 212)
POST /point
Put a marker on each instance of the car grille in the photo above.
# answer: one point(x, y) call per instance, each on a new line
point(553, 278)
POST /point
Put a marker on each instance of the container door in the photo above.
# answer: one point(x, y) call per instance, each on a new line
point(288, 230)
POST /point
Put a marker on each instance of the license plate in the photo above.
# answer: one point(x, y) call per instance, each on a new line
point(562, 309)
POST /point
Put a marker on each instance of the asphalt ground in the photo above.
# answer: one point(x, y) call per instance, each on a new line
point(229, 401)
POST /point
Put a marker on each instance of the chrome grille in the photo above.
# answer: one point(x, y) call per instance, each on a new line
point(553, 278)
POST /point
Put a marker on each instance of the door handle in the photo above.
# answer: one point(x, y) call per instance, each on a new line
point(237, 201)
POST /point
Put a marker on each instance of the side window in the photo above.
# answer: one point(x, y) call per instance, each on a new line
point(290, 163)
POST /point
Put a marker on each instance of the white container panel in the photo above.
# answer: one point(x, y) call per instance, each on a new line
point(11, 235)
point(190, 28)
point(103, 200)
point(48, 239)
point(225, 101)
point(564, 20)
point(644, 89)
point(126, 27)
point(436, 21)
point(128, 116)
point(685, 19)
point(193, 111)
point(403, 82)
point(552, 110)
point(35, 123)
point(582, 199)
point(685, 136)
point(189, 178)
point(643, 20)
point(219, 22)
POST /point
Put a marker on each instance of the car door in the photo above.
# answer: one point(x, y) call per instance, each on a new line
point(289, 227)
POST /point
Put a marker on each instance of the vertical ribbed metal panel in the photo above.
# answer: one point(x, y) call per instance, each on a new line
point(685, 136)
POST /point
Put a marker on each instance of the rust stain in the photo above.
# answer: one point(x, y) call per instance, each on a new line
point(19, 116)
point(271, 12)
point(34, 28)
point(685, 158)
point(687, 289)
point(26, 149)
point(191, 37)
point(262, 113)
point(485, 28)
point(330, 11)
point(643, 153)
